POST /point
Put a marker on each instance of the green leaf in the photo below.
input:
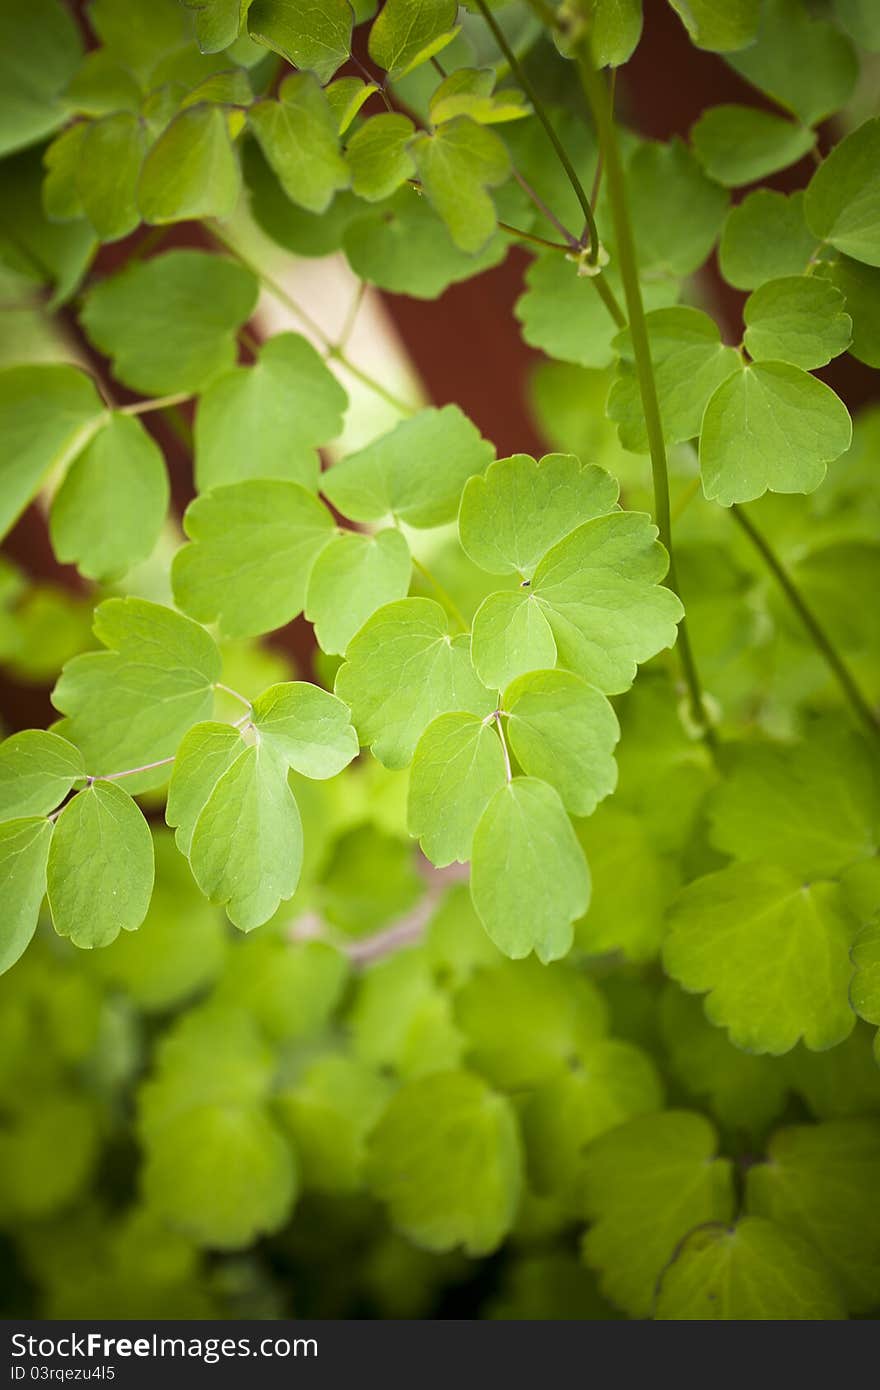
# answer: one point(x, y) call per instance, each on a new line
point(615, 31)
point(632, 885)
point(415, 472)
point(564, 732)
point(511, 515)
point(457, 165)
point(805, 64)
point(457, 767)
point(770, 427)
point(169, 324)
point(861, 21)
point(218, 22)
point(100, 869)
point(346, 97)
point(305, 727)
point(772, 952)
point(797, 319)
point(37, 770)
point(719, 25)
point(330, 1113)
point(813, 806)
point(401, 1020)
point(529, 878)
point(264, 536)
point(24, 848)
point(289, 990)
point(469, 92)
point(131, 705)
point(860, 284)
point(100, 86)
point(819, 1182)
point(765, 237)
point(677, 211)
point(42, 251)
point(246, 850)
point(842, 202)
point(559, 1018)
point(609, 1083)
point(40, 50)
point(409, 32)
point(315, 35)
point(60, 196)
point(266, 421)
point(107, 173)
point(865, 988)
point(755, 1270)
point(595, 600)
point(228, 1205)
point(403, 670)
point(108, 513)
point(690, 362)
point(740, 144)
point(298, 135)
point(647, 1184)
point(354, 575)
point(205, 753)
point(446, 1158)
point(192, 170)
point(378, 155)
point(47, 415)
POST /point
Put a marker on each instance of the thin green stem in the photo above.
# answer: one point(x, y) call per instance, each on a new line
point(842, 674)
point(597, 96)
point(330, 348)
point(443, 594)
point(540, 111)
point(610, 300)
point(535, 240)
point(508, 770)
point(155, 403)
point(227, 690)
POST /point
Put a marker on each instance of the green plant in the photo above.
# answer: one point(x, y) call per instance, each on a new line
point(441, 1068)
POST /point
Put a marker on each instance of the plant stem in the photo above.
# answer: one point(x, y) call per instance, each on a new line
point(609, 299)
point(532, 194)
point(128, 772)
point(833, 659)
point(448, 601)
point(597, 97)
point(540, 111)
point(535, 240)
point(330, 348)
point(156, 403)
point(508, 770)
point(227, 690)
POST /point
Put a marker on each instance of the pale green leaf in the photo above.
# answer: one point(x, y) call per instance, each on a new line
point(457, 767)
point(529, 878)
point(311, 34)
point(469, 92)
point(355, 574)
point(647, 1184)
point(100, 86)
point(633, 884)
point(192, 170)
point(798, 319)
point(40, 50)
point(512, 514)
point(865, 988)
point(37, 770)
point(100, 869)
point(446, 1159)
point(741, 144)
point(107, 173)
point(401, 1020)
point(615, 31)
point(719, 25)
point(246, 850)
point(24, 848)
point(842, 202)
point(47, 415)
point(600, 600)
point(218, 22)
point(690, 362)
point(403, 669)
point(770, 427)
point(345, 97)
point(409, 32)
point(378, 155)
point(563, 731)
point(306, 727)
point(820, 1182)
point(860, 284)
point(107, 515)
point(289, 989)
point(457, 165)
point(677, 211)
point(60, 197)
point(204, 754)
point(415, 472)
point(805, 64)
point(765, 237)
point(298, 134)
point(252, 547)
point(169, 324)
point(131, 705)
point(329, 1114)
point(752, 1271)
point(771, 951)
point(266, 421)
